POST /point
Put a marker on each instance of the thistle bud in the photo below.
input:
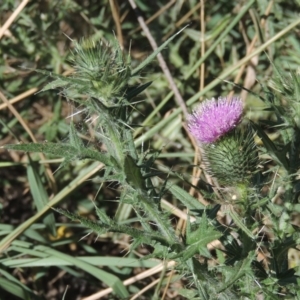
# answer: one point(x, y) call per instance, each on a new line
point(101, 71)
point(229, 153)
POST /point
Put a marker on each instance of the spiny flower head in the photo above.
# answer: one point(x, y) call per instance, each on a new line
point(102, 70)
point(214, 118)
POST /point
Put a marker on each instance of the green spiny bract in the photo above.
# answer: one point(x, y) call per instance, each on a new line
point(233, 158)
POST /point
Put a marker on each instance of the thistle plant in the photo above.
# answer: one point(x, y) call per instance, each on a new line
point(102, 85)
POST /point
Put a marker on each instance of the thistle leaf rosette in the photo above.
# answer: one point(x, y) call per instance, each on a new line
point(229, 152)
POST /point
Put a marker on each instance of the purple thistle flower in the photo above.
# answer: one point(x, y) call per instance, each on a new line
point(214, 118)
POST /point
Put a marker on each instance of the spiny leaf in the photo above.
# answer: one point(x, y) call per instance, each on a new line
point(239, 223)
point(134, 91)
point(103, 227)
point(198, 238)
point(64, 150)
point(279, 156)
point(61, 81)
point(75, 141)
point(238, 271)
point(133, 173)
point(184, 197)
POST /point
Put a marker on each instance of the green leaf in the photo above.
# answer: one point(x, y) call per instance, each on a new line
point(54, 84)
point(64, 150)
point(134, 91)
point(197, 239)
point(279, 156)
point(40, 195)
point(111, 280)
point(93, 260)
point(184, 197)
point(233, 274)
point(196, 35)
point(133, 173)
point(14, 289)
point(14, 286)
point(75, 141)
point(108, 225)
point(61, 81)
point(239, 223)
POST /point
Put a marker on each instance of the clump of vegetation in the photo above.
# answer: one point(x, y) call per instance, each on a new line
point(104, 173)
